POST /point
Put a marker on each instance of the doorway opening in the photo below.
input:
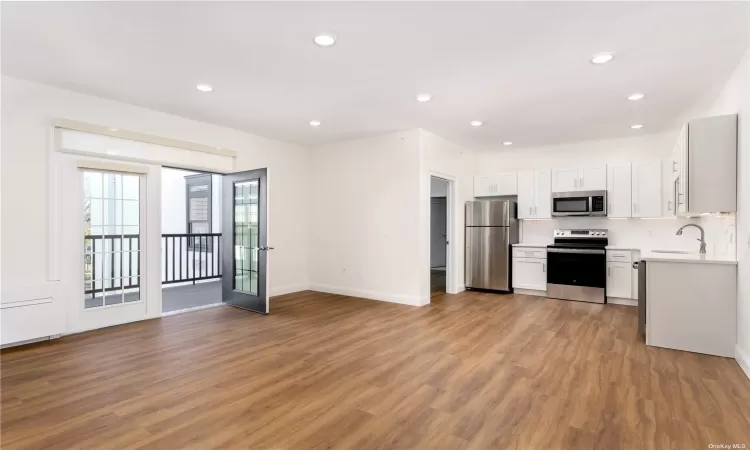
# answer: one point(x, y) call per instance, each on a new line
point(191, 240)
point(439, 189)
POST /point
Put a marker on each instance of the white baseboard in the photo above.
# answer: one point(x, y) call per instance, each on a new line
point(411, 300)
point(460, 288)
point(283, 290)
point(622, 301)
point(743, 359)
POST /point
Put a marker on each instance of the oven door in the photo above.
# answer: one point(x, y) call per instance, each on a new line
point(577, 274)
point(570, 206)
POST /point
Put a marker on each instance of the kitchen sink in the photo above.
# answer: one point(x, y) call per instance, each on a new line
point(675, 252)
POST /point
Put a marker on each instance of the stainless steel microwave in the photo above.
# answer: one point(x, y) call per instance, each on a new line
point(579, 203)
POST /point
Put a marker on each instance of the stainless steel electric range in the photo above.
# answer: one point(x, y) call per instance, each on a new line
point(577, 265)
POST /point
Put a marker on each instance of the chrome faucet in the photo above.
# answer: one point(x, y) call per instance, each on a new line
point(702, 238)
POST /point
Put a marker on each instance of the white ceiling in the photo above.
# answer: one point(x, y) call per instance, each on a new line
point(522, 68)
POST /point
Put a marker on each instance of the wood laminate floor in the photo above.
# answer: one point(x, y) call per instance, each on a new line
point(470, 371)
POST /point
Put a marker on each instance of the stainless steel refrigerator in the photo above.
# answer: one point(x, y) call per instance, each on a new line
point(491, 228)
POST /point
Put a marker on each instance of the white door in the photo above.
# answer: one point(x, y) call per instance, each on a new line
point(529, 273)
point(542, 194)
point(438, 231)
point(526, 195)
point(619, 191)
point(647, 189)
point(593, 178)
point(104, 251)
point(619, 279)
point(564, 180)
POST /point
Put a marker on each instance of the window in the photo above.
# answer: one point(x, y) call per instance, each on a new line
point(111, 238)
point(199, 210)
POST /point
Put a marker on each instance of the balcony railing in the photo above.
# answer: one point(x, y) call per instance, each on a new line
point(112, 262)
point(190, 257)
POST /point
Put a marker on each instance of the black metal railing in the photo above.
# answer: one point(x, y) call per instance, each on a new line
point(117, 254)
point(190, 257)
point(186, 258)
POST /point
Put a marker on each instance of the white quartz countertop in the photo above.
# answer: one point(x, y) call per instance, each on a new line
point(619, 247)
point(531, 245)
point(695, 258)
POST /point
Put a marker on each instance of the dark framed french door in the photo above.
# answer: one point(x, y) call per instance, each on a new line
point(245, 247)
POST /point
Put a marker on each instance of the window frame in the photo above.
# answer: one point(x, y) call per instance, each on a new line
point(199, 180)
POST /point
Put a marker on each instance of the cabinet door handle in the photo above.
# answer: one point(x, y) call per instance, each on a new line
point(581, 183)
point(674, 166)
point(669, 205)
point(544, 267)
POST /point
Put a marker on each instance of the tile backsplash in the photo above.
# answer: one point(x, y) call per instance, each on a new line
point(645, 234)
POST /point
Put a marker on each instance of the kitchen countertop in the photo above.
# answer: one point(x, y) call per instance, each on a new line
point(530, 245)
point(695, 258)
point(615, 247)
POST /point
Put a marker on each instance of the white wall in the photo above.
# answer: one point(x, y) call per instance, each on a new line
point(443, 158)
point(28, 109)
point(734, 97)
point(364, 213)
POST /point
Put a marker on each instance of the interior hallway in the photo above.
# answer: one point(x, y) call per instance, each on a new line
point(472, 370)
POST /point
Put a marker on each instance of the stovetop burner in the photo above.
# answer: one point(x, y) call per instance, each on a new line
point(580, 239)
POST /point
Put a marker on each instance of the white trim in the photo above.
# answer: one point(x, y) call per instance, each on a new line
point(533, 292)
point(460, 288)
point(289, 289)
point(622, 301)
point(743, 359)
point(107, 166)
point(140, 137)
point(411, 300)
point(194, 308)
point(451, 285)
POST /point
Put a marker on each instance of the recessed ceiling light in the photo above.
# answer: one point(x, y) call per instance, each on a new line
point(113, 129)
point(636, 96)
point(204, 88)
point(476, 123)
point(637, 126)
point(424, 97)
point(602, 58)
point(507, 143)
point(324, 40)
point(315, 123)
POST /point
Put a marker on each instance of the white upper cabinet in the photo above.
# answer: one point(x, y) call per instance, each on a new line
point(534, 194)
point(564, 180)
point(495, 185)
point(706, 161)
point(526, 195)
point(590, 178)
point(542, 194)
point(619, 203)
point(593, 178)
point(647, 189)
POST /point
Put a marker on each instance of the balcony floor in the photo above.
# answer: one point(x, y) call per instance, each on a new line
point(175, 298)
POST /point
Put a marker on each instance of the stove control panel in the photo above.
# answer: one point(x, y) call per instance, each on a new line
point(580, 233)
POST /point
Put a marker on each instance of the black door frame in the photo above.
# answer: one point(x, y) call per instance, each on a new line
point(256, 303)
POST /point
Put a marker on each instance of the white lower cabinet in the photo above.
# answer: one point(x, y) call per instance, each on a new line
point(530, 273)
point(622, 276)
point(619, 279)
point(530, 268)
